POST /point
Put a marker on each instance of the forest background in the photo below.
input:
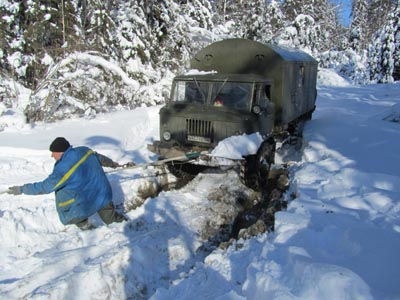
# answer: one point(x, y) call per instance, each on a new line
point(82, 57)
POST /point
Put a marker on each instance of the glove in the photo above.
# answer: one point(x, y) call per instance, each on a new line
point(14, 190)
point(129, 164)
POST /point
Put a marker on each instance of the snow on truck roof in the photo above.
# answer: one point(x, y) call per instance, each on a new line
point(247, 56)
point(243, 47)
point(215, 76)
point(291, 54)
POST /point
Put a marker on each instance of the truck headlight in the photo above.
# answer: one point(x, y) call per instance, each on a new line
point(166, 135)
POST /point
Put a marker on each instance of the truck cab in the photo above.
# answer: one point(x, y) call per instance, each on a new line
point(205, 108)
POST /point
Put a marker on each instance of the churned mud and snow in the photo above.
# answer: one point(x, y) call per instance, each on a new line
point(339, 237)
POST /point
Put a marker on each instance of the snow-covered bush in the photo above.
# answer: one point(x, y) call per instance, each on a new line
point(347, 63)
point(86, 84)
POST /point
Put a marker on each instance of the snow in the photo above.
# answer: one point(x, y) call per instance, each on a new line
point(331, 78)
point(338, 239)
point(197, 72)
point(236, 147)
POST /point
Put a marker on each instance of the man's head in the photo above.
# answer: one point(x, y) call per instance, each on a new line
point(58, 147)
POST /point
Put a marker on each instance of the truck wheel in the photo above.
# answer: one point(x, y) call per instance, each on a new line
point(248, 172)
point(254, 172)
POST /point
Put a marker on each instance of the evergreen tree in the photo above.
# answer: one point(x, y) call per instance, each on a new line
point(133, 37)
point(257, 20)
point(273, 22)
point(34, 29)
point(317, 9)
point(236, 11)
point(96, 26)
point(332, 31)
point(384, 51)
point(313, 24)
point(13, 23)
point(177, 27)
point(378, 14)
point(199, 12)
point(254, 22)
point(291, 9)
point(220, 8)
point(358, 38)
point(396, 33)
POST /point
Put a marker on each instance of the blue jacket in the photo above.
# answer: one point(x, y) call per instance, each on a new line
point(79, 182)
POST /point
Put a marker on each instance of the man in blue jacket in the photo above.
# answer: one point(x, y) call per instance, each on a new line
point(80, 185)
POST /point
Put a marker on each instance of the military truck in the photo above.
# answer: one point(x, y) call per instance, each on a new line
point(238, 86)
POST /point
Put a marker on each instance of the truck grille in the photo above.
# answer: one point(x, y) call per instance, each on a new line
point(199, 131)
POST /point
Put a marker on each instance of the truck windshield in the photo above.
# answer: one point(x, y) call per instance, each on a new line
point(190, 91)
point(231, 94)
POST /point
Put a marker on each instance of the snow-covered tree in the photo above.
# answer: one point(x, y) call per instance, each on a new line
point(317, 9)
point(358, 38)
point(96, 26)
point(18, 24)
point(384, 51)
point(313, 25)
point(332, 31)
point(132, 36)
point(396, 33)
point(292, 8)
point(35, 31)
point(274, 21)
point(200, 12)
point(179, 28)
point(378, 15)
point(253, 21)
point(303, 34)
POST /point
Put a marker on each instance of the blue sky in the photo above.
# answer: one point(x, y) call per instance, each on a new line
point(345, 6)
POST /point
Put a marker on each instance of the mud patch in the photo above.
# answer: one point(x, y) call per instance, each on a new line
point(184, 172)
point(227, 199)
point(260, 218)
point(149, 185)
point(241, 212)
point(233, 210)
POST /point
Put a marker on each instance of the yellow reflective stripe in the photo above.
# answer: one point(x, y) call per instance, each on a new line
point(62, 204)
point(72, 170)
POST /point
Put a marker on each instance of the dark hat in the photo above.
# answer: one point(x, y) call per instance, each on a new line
point(60, 144)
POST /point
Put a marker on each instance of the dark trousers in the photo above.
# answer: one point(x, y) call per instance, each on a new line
point(107, 214)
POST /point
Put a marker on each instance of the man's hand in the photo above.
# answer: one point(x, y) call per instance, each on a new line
point(115, 165)
point(14, 190)
point(129, 164)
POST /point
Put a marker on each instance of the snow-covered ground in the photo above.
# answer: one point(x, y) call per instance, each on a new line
point(339, 239)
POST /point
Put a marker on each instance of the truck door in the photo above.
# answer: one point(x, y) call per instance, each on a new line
point(264, 108)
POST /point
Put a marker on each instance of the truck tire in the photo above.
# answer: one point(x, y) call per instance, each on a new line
point(255, 169)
